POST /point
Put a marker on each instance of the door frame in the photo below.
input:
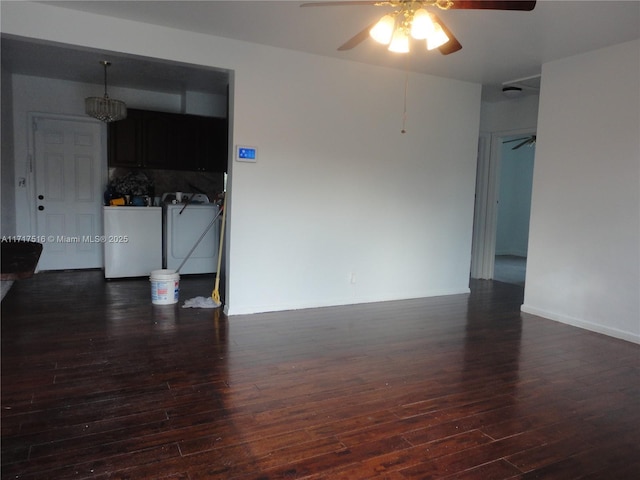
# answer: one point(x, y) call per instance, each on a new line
point(485, 221)
point(31, 173)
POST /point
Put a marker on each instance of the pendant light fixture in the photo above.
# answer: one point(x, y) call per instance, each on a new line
point(104, 108)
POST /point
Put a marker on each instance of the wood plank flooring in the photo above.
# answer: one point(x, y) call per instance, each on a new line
point(98, 383)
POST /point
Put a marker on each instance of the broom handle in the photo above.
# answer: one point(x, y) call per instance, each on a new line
point(224, 217)
point(184, 260)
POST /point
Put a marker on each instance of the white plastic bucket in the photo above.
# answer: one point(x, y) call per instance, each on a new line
point(165, 287)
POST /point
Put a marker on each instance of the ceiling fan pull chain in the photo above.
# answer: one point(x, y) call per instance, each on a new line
point(404, 112)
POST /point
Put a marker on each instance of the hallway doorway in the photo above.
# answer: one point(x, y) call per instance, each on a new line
point(514, 208)
point(503, 205)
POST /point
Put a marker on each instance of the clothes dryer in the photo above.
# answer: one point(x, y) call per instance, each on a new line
point(183, 226)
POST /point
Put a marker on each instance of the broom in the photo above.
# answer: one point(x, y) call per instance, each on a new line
point(215, 295)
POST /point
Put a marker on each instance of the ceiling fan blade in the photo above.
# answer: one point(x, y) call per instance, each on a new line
point(525, 6)
point(527, 141)
point(341, 4)
point(453, 45)
point(516, 139)
point(357, 39)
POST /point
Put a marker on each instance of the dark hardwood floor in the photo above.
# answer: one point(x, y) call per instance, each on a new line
point(99, 383)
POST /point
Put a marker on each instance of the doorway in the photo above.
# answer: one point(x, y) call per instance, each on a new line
point(503, 203)
point(514, 208)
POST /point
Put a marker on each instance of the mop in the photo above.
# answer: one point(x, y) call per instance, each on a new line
point(214, 300)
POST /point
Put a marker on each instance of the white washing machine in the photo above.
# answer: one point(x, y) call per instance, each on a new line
point(182, 228)
point(132, 241)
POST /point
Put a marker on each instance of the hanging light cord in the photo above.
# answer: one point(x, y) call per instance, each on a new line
point(404, 111)
point(105, 64)
point(406, 92)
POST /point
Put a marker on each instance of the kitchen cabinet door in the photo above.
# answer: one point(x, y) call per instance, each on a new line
point(201, 143)
point(156, 131)
point(213, 144)
point(124, 141)
point(183, 148)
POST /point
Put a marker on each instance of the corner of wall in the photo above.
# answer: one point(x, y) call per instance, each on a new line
point(8, 221)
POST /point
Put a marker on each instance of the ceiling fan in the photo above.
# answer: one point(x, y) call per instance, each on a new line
point(411, 18)
point(529, 141)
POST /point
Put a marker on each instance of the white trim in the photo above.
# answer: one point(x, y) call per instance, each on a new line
point(478, 265)
point(335, 302)
point(576, 322)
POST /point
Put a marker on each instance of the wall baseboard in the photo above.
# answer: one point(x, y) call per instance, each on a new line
point(576, 322)
point(339, 302)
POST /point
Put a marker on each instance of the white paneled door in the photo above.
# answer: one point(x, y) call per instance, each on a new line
point(68, 193)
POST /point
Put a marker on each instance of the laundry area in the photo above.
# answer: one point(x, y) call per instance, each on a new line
point(165, 191)
point(182, 235)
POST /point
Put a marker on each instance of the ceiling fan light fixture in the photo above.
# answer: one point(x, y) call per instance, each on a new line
point(382, 31)
point(421, 25)
point(399, 41)
point(437, 37)
point(104, 108)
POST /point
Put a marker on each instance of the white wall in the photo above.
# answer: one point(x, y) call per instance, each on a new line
point(8, 223)
point(198, 103)
point(584, 245)
point(338, 194)
point(338, 190)
point(516, 114)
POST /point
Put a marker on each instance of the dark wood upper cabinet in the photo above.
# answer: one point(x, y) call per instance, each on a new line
point(125, 141)
point(168, 141)
point(157, 134)
point(212, 149)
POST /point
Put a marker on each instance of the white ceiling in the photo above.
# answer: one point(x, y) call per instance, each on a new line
point(498, 46)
